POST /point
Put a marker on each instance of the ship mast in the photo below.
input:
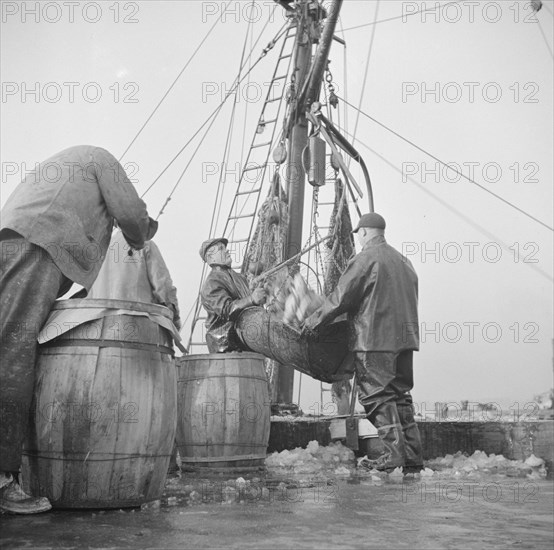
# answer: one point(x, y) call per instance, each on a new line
point(308, 75)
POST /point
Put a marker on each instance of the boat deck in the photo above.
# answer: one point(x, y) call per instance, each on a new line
point(334, 513)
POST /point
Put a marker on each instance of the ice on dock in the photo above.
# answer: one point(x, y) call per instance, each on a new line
point(479, 463)
point(341, 461)
point(313, 459)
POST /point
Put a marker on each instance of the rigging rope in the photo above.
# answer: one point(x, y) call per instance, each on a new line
point(231, 232)
point(227, 143)
point(545, 40)
point(454, 210)
point(186, 168)
point(482, 187)
point(364, 81)
point(216, 111)
point(402, 16)
point(217, 206)
point(175, 81)
point(220, 184)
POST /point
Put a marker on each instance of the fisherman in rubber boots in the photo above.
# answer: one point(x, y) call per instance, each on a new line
point(55, 231)
point(224, 295)
point(379, 292)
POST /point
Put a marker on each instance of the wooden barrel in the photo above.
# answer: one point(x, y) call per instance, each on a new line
point(223, 411)
point(105, 408)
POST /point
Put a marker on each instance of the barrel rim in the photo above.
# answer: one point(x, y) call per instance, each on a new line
point(231, 354)
point(85, 303)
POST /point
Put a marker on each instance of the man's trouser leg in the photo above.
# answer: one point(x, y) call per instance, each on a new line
point(29, 285)
point(173, 467)
point(375, 372)
point(404, 383)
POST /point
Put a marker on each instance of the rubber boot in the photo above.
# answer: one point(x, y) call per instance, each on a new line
point(412, 439)
point(387, 421)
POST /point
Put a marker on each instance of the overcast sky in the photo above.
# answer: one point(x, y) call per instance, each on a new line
point(472, 84)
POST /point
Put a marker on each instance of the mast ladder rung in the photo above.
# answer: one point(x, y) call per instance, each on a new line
point(241, 216)
point(261, 144)
point(236, 241)
point(248, 192)
point(274, 99)
point(258, 167)
point(280, 77)
point(198, 344)
point(285, 56)
point(326, 203)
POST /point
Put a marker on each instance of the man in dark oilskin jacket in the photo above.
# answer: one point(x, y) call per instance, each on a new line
point(379, 292)
point(55, 231)
point(224, 295)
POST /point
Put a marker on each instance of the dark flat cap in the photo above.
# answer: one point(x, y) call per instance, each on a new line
point(211, 242)
point(371, 220)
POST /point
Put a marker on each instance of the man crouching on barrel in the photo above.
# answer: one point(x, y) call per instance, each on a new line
point(224, 295)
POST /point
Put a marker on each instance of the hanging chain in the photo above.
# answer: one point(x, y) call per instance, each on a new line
point(333, 99)
point(317, 251)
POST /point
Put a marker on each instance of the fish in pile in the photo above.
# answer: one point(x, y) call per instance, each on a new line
point(277, 287)
point(301, 302)
point(290, 299)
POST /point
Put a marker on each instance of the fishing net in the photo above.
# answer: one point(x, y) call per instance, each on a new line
point(290, 300)
point(340, 249)
point(341, 244)
point(267, 249)
point(267, 246)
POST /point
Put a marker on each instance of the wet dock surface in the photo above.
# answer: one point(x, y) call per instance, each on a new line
point(310, 511)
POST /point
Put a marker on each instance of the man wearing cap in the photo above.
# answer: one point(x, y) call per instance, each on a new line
point(55, 230)
point(379, 292)
point(224, 295)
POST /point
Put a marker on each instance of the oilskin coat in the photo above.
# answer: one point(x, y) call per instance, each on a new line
point(141, 276)
point(379, 292)
point(224, 295)
point(67, 206)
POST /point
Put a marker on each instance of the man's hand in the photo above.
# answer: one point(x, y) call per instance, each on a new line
point(308, 333)
point(307, 329)
point(258, 296)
